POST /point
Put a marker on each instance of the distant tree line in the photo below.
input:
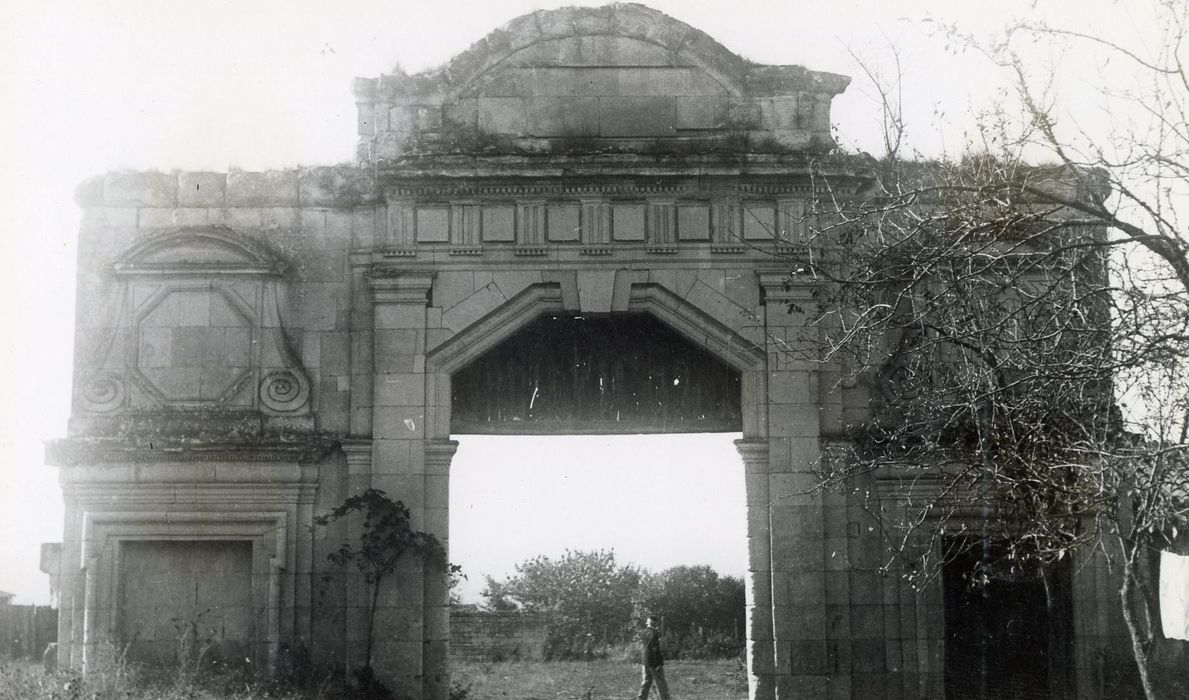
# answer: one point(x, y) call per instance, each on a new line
point(595, 605)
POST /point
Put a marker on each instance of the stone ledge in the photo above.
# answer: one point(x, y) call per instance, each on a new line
point(69, 452)
point(334, 186)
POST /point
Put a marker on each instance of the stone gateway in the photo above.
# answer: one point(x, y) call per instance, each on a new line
point(607, 183)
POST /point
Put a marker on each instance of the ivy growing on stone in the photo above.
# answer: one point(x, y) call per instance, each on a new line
point(385, 537)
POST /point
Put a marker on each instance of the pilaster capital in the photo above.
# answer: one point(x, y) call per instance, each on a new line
point(438, 455)
point(390, 287)
point(753, 451)
point(784, 286)
point(359, 455)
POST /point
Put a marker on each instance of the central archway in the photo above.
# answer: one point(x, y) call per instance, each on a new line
point(735, 385)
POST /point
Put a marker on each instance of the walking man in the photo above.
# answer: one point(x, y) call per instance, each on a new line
point(651, 660)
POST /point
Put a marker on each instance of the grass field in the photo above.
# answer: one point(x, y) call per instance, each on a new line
point(596, 680)
point(512, 680)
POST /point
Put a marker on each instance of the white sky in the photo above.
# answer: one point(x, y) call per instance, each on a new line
point(658, 501)
point(87, 87)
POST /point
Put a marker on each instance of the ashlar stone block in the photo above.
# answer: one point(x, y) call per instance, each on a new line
point(701, 112)
point(572, 117)
point(274, 188)
point(201, 189)
point(503, 115)
point(637, 116)
point(575, 81)
point(137, 189)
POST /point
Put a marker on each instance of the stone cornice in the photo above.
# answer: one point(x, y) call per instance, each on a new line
point(505, 189)
point(844, 174)
point(70, 452)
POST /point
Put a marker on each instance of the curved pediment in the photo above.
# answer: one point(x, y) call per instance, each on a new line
point(626, 37)
point(622, 78)
point(206, 250)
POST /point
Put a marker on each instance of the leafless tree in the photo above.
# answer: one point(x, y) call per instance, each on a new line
point(1019, 318)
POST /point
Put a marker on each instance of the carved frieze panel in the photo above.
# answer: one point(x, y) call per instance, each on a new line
point(197, 324)
point(596, 219)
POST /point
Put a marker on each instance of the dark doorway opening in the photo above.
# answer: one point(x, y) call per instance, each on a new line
point(1007, 631)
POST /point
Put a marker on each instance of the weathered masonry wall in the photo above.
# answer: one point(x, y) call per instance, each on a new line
point(252, 347)
point(497, 636)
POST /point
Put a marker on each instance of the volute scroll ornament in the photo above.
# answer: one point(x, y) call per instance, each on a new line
point(284, 391)
point(102, 392)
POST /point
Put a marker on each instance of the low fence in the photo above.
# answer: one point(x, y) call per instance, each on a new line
point(26, 630)
point(497, 636)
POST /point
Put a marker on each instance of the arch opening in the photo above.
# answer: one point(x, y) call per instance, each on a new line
point(576, 431)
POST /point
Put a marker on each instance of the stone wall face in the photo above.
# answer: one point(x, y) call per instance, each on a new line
point(494, 636)
point(251, 347)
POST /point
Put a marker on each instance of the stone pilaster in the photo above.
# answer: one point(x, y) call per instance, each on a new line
point(799, 619)
point(466, 228)
point(400, 299)
point(790, 221)
point(596, 227)
point(530, 228)
point(362, 342)
point(725, 222)
point(438, 454)
point(761, 680)
point(401, 224)
point(662, 226)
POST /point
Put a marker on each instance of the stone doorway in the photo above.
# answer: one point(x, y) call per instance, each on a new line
point(1007, 632)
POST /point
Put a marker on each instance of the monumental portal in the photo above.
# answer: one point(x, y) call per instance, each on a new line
point(577, 225)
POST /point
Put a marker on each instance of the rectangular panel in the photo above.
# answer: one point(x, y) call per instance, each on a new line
point(199, 592)
point(693, 222)
point(433, 224)
point(759, 221)
point(563, 223)
point(499, 224)
point(628, 222)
